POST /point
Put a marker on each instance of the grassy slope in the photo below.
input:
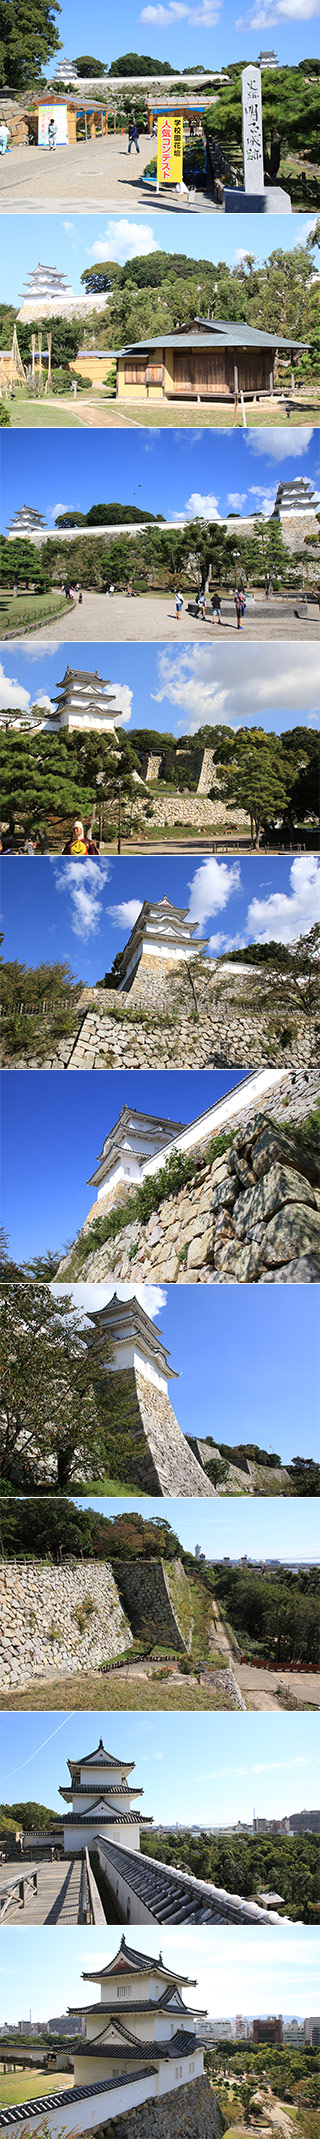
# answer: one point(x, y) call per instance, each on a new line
point(93, 1690)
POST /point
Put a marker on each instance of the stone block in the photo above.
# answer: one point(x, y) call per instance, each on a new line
point(280, 1186)
point(273, 201)
point(199, 1249)
point(291, 1233)
point(304, 1271)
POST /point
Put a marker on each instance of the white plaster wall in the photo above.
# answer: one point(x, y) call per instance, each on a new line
point(125, 1355)
point(83, 1837)
point(216, 1117)
point(85, 2116)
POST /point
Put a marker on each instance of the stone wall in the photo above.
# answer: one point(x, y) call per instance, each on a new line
point(251, 1216)
point(58, 1619)
point(294, 527)
point(197, 810)
point(244, 1475)
point(208, 775)
point(195, 1016)
point(191, 2112)
point(158, 1597)
point(154, 1455)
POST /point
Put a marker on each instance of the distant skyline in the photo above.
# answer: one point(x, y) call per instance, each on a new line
point(87, 911)
point(181, 475)
point(234, 1971)
point(254, 1337)
point(176, 689)
point(72, 244)
point(287, 1530)
point(201, 1777)
point(52, 1133)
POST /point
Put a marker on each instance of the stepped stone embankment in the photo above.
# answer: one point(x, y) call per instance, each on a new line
point(249, 1217)
point(190, 2112)
point(161, 1459)
point(195, 1016)
point(58, 1619)
point(244, 1475)
point(157, 1597)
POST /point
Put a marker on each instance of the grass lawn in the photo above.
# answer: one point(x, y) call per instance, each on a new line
point(17, 610)
point(217, 416)
point(52, 415)
point(106, 1488)
point(18, 2087)
point(94, 1689)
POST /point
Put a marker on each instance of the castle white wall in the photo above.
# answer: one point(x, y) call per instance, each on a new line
point(216, 1117)
point(83, 1836)
point(125, 1356)
point(170, 2074)
point(84, 2116)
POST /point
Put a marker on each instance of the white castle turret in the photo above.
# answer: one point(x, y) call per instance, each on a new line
point(141, 2021)
point(27, 522)
point(135, 1341)
point(48, 295)
point(83, 700)
point(156, 1458)
point(297, 496)
point(134, 1139)
point(100, 1801)
point(162, 934)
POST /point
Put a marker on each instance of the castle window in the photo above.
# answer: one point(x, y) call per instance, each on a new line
point(134, 374)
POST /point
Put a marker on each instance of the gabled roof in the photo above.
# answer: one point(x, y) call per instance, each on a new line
point(127, 1317)
point(143, 2005)
point(221, 333)
point(128, 1961)
point(100, 1757)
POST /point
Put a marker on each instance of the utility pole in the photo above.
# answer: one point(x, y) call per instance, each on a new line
point(119, 816)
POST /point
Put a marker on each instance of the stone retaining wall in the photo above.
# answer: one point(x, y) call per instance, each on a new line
point(244, 1476)
point(184, 808)
point(251, 1216)
point(175, 1468)
point(189, 2113)
point(40, 1631)
point(157, 1597)
point(195, 1016)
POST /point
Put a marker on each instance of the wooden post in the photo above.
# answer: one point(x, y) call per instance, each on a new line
point(235, 377)
point(33, 352)
point(49, 345)
point(271, 379)
point(40, 352)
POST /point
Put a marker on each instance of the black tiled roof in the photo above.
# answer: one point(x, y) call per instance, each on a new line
point(141, 1963)
point(173, 1898)
point(182, 2044)
point(62, 2097)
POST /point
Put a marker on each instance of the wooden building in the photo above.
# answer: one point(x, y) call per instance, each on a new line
point(212, 361)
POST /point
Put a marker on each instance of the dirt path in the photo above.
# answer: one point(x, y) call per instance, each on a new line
point(129, 619)
point(89, 175)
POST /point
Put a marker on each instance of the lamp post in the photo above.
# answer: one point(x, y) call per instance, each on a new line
point(236, 554)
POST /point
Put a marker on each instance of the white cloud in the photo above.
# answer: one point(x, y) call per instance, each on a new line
point(261, 17)
point(70, 227)
point(13, 695)
point(123, 697)
point(84, 1297)
point(122, 240)
point(211, 888)
point(284, 916)
point(198, 507)
point(236, 498)
point(125, 915)
point(280, 445)
point(205, 15)
point(82, 882)
point(204, 683)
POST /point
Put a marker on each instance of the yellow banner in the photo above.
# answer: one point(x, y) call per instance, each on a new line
point(169, 149)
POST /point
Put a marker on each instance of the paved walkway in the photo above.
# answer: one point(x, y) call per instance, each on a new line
point(91, 175)
point(147, 618)
point(57, 1900)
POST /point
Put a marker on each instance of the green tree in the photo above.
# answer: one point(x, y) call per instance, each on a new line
point(48, 1411)
point(28, 39)
point(139, 63)
point(25, 1030)
point(87, 66)
point(253, 776)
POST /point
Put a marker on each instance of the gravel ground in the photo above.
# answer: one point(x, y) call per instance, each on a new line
point(91, 175)
point(143, 617)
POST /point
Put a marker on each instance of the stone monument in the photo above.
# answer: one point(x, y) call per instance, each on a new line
point(254, 196)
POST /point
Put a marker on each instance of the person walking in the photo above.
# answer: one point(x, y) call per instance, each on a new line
point(133, 137)
point(52, 134)
point(202, 605)
point(4, 137)
point(238, 607)
point(179, 606)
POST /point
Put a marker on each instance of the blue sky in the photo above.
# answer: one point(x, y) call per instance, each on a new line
point(86, 912)
point(185, 38)
point(174, 689)
point(278, 1973)
point(286, 1530)
point(247, 1338)
point(208, 1775)
point(52, 1133)
point(182, 474)
point(74, 245)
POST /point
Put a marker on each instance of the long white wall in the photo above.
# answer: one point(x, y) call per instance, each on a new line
point(216, 1117)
